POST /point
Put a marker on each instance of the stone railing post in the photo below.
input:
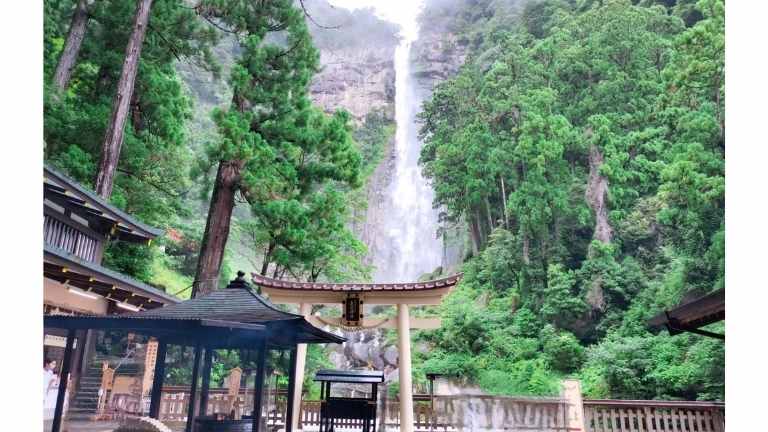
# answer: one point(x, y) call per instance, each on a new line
point(574, 418)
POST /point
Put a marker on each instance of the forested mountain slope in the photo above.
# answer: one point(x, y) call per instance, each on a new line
point(582, 147)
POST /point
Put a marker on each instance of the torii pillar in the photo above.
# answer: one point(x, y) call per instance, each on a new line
point(404, 367)
point(402, 295)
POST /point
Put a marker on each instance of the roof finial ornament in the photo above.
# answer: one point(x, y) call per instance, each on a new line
point(239, 281)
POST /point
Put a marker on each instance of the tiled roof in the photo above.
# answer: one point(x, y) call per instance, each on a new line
point(236, 305)
point(266, 282)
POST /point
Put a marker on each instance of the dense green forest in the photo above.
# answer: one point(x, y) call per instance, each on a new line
point(307, 166)
point(583, 145)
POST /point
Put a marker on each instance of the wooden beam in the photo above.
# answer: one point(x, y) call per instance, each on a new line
point(410, 297)
point(305, 310)
point(157, 380)
point(291, 391)
point(207, 360)
point(259, 385)
point(63, 381)
point(193, 390)
point(423, 323)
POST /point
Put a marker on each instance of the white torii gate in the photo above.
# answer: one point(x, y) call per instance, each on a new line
point(352, 297)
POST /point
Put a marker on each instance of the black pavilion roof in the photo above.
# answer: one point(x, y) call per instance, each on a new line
point(236, 305)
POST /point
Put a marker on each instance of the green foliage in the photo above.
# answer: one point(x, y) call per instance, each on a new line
point(297, 161)
point(562, 349)
point(508, 144)
point(154, 162)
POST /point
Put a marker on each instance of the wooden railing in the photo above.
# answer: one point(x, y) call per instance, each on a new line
point(175, 400)
point(653, 416)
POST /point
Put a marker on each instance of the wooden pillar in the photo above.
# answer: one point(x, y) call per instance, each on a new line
point(193, 390)
point(63, 381)
point(305, 309)
point(291, 414)
point(406, 385)
point(157, 380)
point(259, 385)
point(207, 360)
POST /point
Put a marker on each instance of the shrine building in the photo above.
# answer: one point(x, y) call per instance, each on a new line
point(77, 227)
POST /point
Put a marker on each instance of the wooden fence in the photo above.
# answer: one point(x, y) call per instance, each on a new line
point(653, 416)
point(175, 400)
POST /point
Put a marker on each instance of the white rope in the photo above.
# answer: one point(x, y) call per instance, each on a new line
point(352, 329)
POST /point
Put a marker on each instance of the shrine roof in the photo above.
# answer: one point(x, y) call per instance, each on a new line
point(265, 282)
point(101, 215)
point(692, 315)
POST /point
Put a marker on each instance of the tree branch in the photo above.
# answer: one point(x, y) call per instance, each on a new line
point(306, 13)
point(159, 187)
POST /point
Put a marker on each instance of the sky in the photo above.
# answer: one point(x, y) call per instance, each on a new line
point(403, 12)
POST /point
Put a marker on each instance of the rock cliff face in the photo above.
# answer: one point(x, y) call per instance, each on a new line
point(355, 79)
point(437, 55)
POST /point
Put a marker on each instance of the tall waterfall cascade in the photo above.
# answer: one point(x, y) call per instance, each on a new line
point(408, 230)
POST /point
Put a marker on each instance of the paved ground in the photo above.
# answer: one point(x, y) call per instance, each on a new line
point(100, 426)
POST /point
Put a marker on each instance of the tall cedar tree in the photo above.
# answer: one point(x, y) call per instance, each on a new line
point(274, 146)
point(69, 54)
point(113, 138)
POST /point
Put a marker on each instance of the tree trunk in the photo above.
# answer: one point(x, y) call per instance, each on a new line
point(217, 227)
point(474, 233)
point(267, 258)
point(491, 225)
point(71, 47)
point(504, 203)
point(113, 139)
point(479, 220)
point(137, 117)
point(596, 194)
point(526, 248)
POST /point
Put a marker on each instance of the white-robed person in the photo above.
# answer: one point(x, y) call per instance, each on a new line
point(50, 388)
point(51, 384)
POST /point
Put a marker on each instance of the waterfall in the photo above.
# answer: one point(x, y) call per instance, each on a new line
point(408, 244)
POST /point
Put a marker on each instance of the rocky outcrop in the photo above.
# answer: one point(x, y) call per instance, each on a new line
point(375, 211)
point(437, 54)
point(357, 80)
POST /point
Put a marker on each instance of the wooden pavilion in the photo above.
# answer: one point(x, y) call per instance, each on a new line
point(352, 297)
point(691, 316)
point(232, 318)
